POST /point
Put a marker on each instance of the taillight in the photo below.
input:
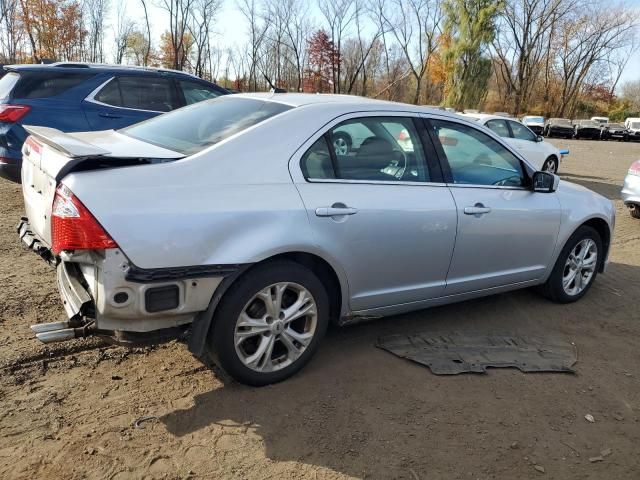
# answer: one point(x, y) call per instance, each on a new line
point(634, 169)
point(13, 113)
point(73, 227)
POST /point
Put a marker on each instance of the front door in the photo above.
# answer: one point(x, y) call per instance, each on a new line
point(506, 232)
point(376, 210)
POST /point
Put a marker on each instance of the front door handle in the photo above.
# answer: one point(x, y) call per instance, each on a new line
point(477, 209)
point(335, 211)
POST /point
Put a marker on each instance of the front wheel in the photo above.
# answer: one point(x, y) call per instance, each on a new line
point(576, 267)
point(550, 165)
point(269, 323)
point(635, 211)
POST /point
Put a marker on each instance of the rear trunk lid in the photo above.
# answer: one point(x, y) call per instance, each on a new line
point(49, 155)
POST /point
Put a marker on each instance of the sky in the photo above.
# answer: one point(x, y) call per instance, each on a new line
point(231, 27)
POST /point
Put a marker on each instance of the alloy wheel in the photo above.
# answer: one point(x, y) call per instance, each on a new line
point(580, 267)
point(341, 146)
point(550, 166)
point(275, 327)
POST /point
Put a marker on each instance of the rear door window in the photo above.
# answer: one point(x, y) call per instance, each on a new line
point(499, 127)
point(195, 92)
point(386, 149)
point(139, 93)
point(46, 84)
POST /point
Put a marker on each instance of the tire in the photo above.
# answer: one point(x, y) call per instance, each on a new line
point(342, 143)
point(549, 162)
point(635, 211)
point(553, 289)
point(241, 298)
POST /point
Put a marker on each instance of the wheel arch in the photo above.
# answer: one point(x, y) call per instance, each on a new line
point(602, 227)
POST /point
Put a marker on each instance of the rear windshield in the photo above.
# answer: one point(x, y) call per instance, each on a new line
point(7, 83)
point(191, 129)
point(46, 83)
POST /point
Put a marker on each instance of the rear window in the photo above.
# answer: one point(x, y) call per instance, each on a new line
point(46, 84)
point(7, 83)
point(191, 129)
point(139, 93)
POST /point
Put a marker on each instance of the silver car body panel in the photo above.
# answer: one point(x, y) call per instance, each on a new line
point(245, 200)
point(631, 189)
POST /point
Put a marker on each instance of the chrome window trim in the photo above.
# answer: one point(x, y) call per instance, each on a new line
point(374, 182)
point(91, 98)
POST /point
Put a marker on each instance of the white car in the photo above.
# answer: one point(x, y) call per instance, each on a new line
point(541, 154)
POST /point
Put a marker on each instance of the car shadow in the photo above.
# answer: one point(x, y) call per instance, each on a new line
point(360, 411)
point(608, 190)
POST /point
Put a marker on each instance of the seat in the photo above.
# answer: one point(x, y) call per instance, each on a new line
point(374, 154)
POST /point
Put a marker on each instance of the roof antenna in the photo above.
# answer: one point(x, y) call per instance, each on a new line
point(274, 89)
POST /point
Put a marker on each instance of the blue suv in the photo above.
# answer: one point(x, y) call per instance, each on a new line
point(79, 97)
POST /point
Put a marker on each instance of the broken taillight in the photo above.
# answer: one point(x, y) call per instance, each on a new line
point(73, 227)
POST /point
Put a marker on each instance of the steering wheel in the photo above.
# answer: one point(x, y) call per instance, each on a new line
point(512, 181)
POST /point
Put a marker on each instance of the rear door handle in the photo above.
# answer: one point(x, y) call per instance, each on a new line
point(335, 211)
point(477, 209)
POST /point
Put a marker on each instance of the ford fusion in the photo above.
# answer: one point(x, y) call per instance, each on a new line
point(241, 224)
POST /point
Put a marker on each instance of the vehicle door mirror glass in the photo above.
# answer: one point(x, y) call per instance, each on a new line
point(539, 138)
point(545, 182)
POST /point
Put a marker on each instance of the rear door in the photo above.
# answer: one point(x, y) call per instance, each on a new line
point(380, 209)
point(125, 100)
point(506, 232)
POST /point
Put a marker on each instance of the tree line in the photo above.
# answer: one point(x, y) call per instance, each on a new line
point(550, 57)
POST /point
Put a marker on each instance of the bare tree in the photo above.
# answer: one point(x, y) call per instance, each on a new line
point(520, 43)
point(180, 14)
point(12, 31)
point(203, 14)
point(145, 61)
point(339, 15)
point(257, 31)
point(587, 37)
point(95, 12)
point(123, 29)
point(415, 24)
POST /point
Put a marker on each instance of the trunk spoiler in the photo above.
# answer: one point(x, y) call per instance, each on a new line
point(66, 143)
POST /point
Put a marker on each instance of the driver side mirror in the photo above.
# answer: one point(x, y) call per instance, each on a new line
point(539, 138)
point(545, 182)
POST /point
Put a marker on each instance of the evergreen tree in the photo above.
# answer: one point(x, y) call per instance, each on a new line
point(470, 25)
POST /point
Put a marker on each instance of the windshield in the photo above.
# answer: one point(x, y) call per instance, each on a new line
point(615, 125)
point(191, 129)
point(7, 83)
point(560, 120)
point(533, 119)
point(588, 123)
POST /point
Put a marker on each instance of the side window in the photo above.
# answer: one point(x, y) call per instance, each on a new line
point(195, 92)
point(499, 127)
point(476, 159)
point(370, 148)
point(140, 93)
point(316, 162)
point(110, 94)
point(47, 84)
point(521, 132)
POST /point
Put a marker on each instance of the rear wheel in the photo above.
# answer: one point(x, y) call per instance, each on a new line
point(269, 323)
point(635, 211)
point(576, 267)
point(550, 165)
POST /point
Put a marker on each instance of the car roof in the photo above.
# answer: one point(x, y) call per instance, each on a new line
point(350, 102)
point(483, 117)
point(77, 67)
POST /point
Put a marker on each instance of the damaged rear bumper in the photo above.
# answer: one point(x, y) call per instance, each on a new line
point(101, 297)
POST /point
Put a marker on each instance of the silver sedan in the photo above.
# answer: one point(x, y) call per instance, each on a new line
point(251, 222)
point(631, 189)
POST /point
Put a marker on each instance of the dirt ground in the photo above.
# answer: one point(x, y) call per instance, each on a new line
point(67, 411)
